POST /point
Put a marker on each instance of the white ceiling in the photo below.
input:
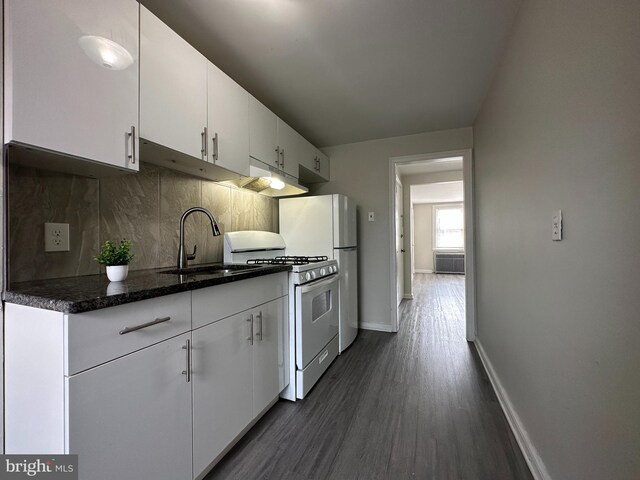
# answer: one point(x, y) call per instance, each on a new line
point(445, 192)
point(342, 71)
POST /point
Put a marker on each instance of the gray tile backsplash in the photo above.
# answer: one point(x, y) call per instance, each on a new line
point(144, 207)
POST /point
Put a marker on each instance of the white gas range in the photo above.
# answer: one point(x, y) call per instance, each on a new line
point(313, 304)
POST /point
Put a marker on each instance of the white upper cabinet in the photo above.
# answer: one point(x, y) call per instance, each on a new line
point(71, 77)
point(271, 140)
point(321, 165)
point(263, 134)
point(173, 89)
point(228, 125)
point(315, 163)
point(289, 143)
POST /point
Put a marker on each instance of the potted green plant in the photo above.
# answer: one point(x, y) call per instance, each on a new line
point(116, 258)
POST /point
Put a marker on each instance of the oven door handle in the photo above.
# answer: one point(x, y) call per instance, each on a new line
point(307, 287)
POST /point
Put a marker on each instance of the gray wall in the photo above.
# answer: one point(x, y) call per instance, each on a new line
point(144, 207)
point(560, 321)
point(361, 171)
point(407, 181)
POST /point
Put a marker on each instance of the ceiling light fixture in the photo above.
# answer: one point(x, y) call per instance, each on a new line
point(105, 52)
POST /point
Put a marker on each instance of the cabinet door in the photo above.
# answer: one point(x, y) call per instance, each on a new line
point(228, 124)
point(315, 163)
point(222, 386)
point(290, 144)
point(270, 368)
point(307, 155)
point(263, 133)
point(131, 417)
point(322, 165)
point(173, 88)
point(56, 96)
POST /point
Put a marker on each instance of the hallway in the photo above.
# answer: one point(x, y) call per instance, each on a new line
point(416, 404)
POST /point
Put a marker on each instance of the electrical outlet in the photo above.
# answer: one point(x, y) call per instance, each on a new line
point(372, 216)
point(556, 226)
point(56, 237)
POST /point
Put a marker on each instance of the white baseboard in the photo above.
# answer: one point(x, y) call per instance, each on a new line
point(419, 270)
point(536, 465)
point(408, 296)
point(378, 327)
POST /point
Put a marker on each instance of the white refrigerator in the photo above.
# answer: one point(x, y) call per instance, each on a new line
point(326, 225)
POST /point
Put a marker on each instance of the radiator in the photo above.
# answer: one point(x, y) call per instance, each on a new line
point(448, 262)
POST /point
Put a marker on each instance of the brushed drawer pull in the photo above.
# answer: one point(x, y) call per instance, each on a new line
point(144, 325)
point(132, 135)
point(250, 337)
point(259, 318)
point(187, 372)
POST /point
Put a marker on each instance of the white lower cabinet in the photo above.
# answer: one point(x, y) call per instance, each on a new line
point(222, 389)
point(131, 417)
point(158, 389)
point(269, 339)
point(238, 371)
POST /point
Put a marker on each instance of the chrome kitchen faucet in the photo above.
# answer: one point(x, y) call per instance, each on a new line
point(183, 256)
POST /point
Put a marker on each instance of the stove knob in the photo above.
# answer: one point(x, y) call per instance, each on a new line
point(312, 274)
point(334, 269)
point(323, 271)
point(307, 276)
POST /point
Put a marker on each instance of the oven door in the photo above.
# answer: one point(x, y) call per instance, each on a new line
point(317, 317)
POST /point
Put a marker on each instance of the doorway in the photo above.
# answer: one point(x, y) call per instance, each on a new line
point(440, 170)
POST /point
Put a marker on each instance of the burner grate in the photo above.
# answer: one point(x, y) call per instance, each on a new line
point(288, 260)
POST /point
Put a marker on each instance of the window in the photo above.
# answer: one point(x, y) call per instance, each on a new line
point(448, 227)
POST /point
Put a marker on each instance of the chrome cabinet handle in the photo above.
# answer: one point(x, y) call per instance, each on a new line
point(250, 337)
point(203, 143)
point(187, 372)
point(132, 153)
point(143, 325)
point(282, 155)
point(259, 332)
point(214, 141)
point(277, 157)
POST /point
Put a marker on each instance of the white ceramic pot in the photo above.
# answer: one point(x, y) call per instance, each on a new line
point(117, 273)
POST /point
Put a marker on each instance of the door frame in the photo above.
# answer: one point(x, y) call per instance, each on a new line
point(469, 233)
point(398, 184)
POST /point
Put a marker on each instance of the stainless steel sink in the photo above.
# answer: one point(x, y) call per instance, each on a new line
point(211, 270)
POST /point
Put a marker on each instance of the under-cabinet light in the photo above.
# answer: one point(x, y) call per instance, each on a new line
point(276, 183)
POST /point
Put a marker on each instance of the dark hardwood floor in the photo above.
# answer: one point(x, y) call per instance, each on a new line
point(411, 405)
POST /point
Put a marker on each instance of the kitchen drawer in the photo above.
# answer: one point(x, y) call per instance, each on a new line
point(215, 303)
point(94, 337)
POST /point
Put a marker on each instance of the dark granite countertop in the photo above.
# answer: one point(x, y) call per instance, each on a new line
point(93, 292)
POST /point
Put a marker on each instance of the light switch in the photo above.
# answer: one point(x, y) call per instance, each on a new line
point(556, 226)
point(372, 217)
